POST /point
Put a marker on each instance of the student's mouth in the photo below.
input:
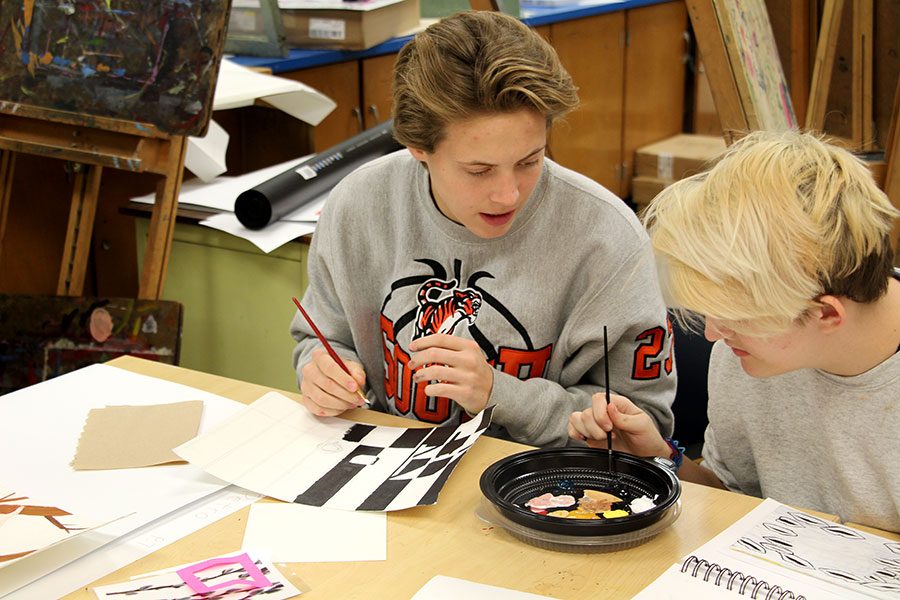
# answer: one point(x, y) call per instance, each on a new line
point(738, 352)
point(497, 220)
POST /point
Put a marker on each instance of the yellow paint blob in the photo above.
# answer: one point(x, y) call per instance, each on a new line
point(614, 514)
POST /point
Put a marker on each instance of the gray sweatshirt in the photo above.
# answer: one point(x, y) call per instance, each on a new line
point(808, 438)
point(385, 267)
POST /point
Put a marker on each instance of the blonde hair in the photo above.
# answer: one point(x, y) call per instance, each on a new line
point(472, 63)
point(781, 219)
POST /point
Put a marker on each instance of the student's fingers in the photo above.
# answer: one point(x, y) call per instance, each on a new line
point(316, 396)
point(624, 405)
point(317, 409)
point(434, 355)
point(577, 427)
point(573, 430)
point(598, 412)
point(322, 395)
point(639, 432)
point(585, 424)
point(634, 422)
point(357, 372)
point(345, 384)
point(437, 340)
point(471, 389)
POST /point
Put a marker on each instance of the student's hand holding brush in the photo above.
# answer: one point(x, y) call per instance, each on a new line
point(634, 431)
point(330, 384)
point(327, 389)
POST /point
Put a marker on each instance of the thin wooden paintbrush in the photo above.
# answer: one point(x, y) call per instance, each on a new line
point(329, 349)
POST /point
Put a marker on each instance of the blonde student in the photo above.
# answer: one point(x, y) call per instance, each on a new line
point(784, 248)
point(468, 269)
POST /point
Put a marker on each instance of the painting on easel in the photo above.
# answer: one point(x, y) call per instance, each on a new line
point(145, 61)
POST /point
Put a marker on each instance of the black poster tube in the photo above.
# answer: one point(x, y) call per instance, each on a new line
point(286, 192)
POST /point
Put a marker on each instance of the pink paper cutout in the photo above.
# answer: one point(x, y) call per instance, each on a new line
point(255, 579)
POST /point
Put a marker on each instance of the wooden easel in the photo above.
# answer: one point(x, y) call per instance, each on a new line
point(742, 104)
point(92, 143)
point(891, 184)
point(862, 137)
point(741, 111)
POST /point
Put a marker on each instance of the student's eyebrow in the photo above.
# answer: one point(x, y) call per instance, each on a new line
point(478, 163)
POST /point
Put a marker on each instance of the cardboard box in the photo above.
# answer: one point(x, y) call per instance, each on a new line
point(678, 157)
point(361, 26)
point(644, 189)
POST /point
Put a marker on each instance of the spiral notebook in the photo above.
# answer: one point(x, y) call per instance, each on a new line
point(780, 553)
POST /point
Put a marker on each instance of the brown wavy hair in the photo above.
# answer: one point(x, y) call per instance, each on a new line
point(472, 63)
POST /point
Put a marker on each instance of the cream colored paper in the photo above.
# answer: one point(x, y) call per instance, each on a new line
point(290, 533)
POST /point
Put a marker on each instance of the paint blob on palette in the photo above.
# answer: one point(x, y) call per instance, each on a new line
point(566, 502)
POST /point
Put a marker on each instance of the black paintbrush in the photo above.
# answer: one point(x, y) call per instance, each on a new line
point(612, 468)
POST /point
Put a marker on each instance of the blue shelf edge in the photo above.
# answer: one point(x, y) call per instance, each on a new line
point(304, 58)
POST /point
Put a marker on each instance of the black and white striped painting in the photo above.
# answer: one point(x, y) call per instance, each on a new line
point(277, 448)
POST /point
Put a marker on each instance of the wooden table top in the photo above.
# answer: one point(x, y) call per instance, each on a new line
point(448, 538)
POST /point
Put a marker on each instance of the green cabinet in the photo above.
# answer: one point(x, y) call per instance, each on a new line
point(237, 302)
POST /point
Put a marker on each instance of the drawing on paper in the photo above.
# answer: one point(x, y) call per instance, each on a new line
point(277, 448)
point(223, 582)
point(27, 527)
point(827, 551)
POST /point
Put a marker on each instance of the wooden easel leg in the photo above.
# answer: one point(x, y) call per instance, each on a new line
point(162, 223)
point(821, 77)
point(77, 247)
point(861, 94)
point(7, 168)
point(892, 170)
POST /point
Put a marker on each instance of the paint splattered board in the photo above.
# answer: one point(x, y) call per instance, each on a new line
point(146, 61)
point(45, 336)
point(738, 47)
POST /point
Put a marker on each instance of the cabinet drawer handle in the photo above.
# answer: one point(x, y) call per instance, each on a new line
point(357, 112)
point(374, 110)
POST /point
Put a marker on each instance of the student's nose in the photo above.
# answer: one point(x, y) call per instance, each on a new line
point(715, 330)
point(506, 192)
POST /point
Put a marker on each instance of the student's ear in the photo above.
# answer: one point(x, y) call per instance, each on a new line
point(830, 314)
point(418, 154)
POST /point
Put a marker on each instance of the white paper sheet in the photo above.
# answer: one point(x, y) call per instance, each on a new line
point(220, 194)
point(288, 532)
point(277, 448)
point(267, 239)
point(239, 86)
point(130, 547)
point(441, 587)
point(205, 156)
point(39, 430)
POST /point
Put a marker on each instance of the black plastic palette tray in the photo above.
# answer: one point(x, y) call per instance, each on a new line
point(509, 483)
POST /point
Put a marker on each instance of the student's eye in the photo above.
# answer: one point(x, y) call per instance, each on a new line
point(529, 163)
point(478, 173)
